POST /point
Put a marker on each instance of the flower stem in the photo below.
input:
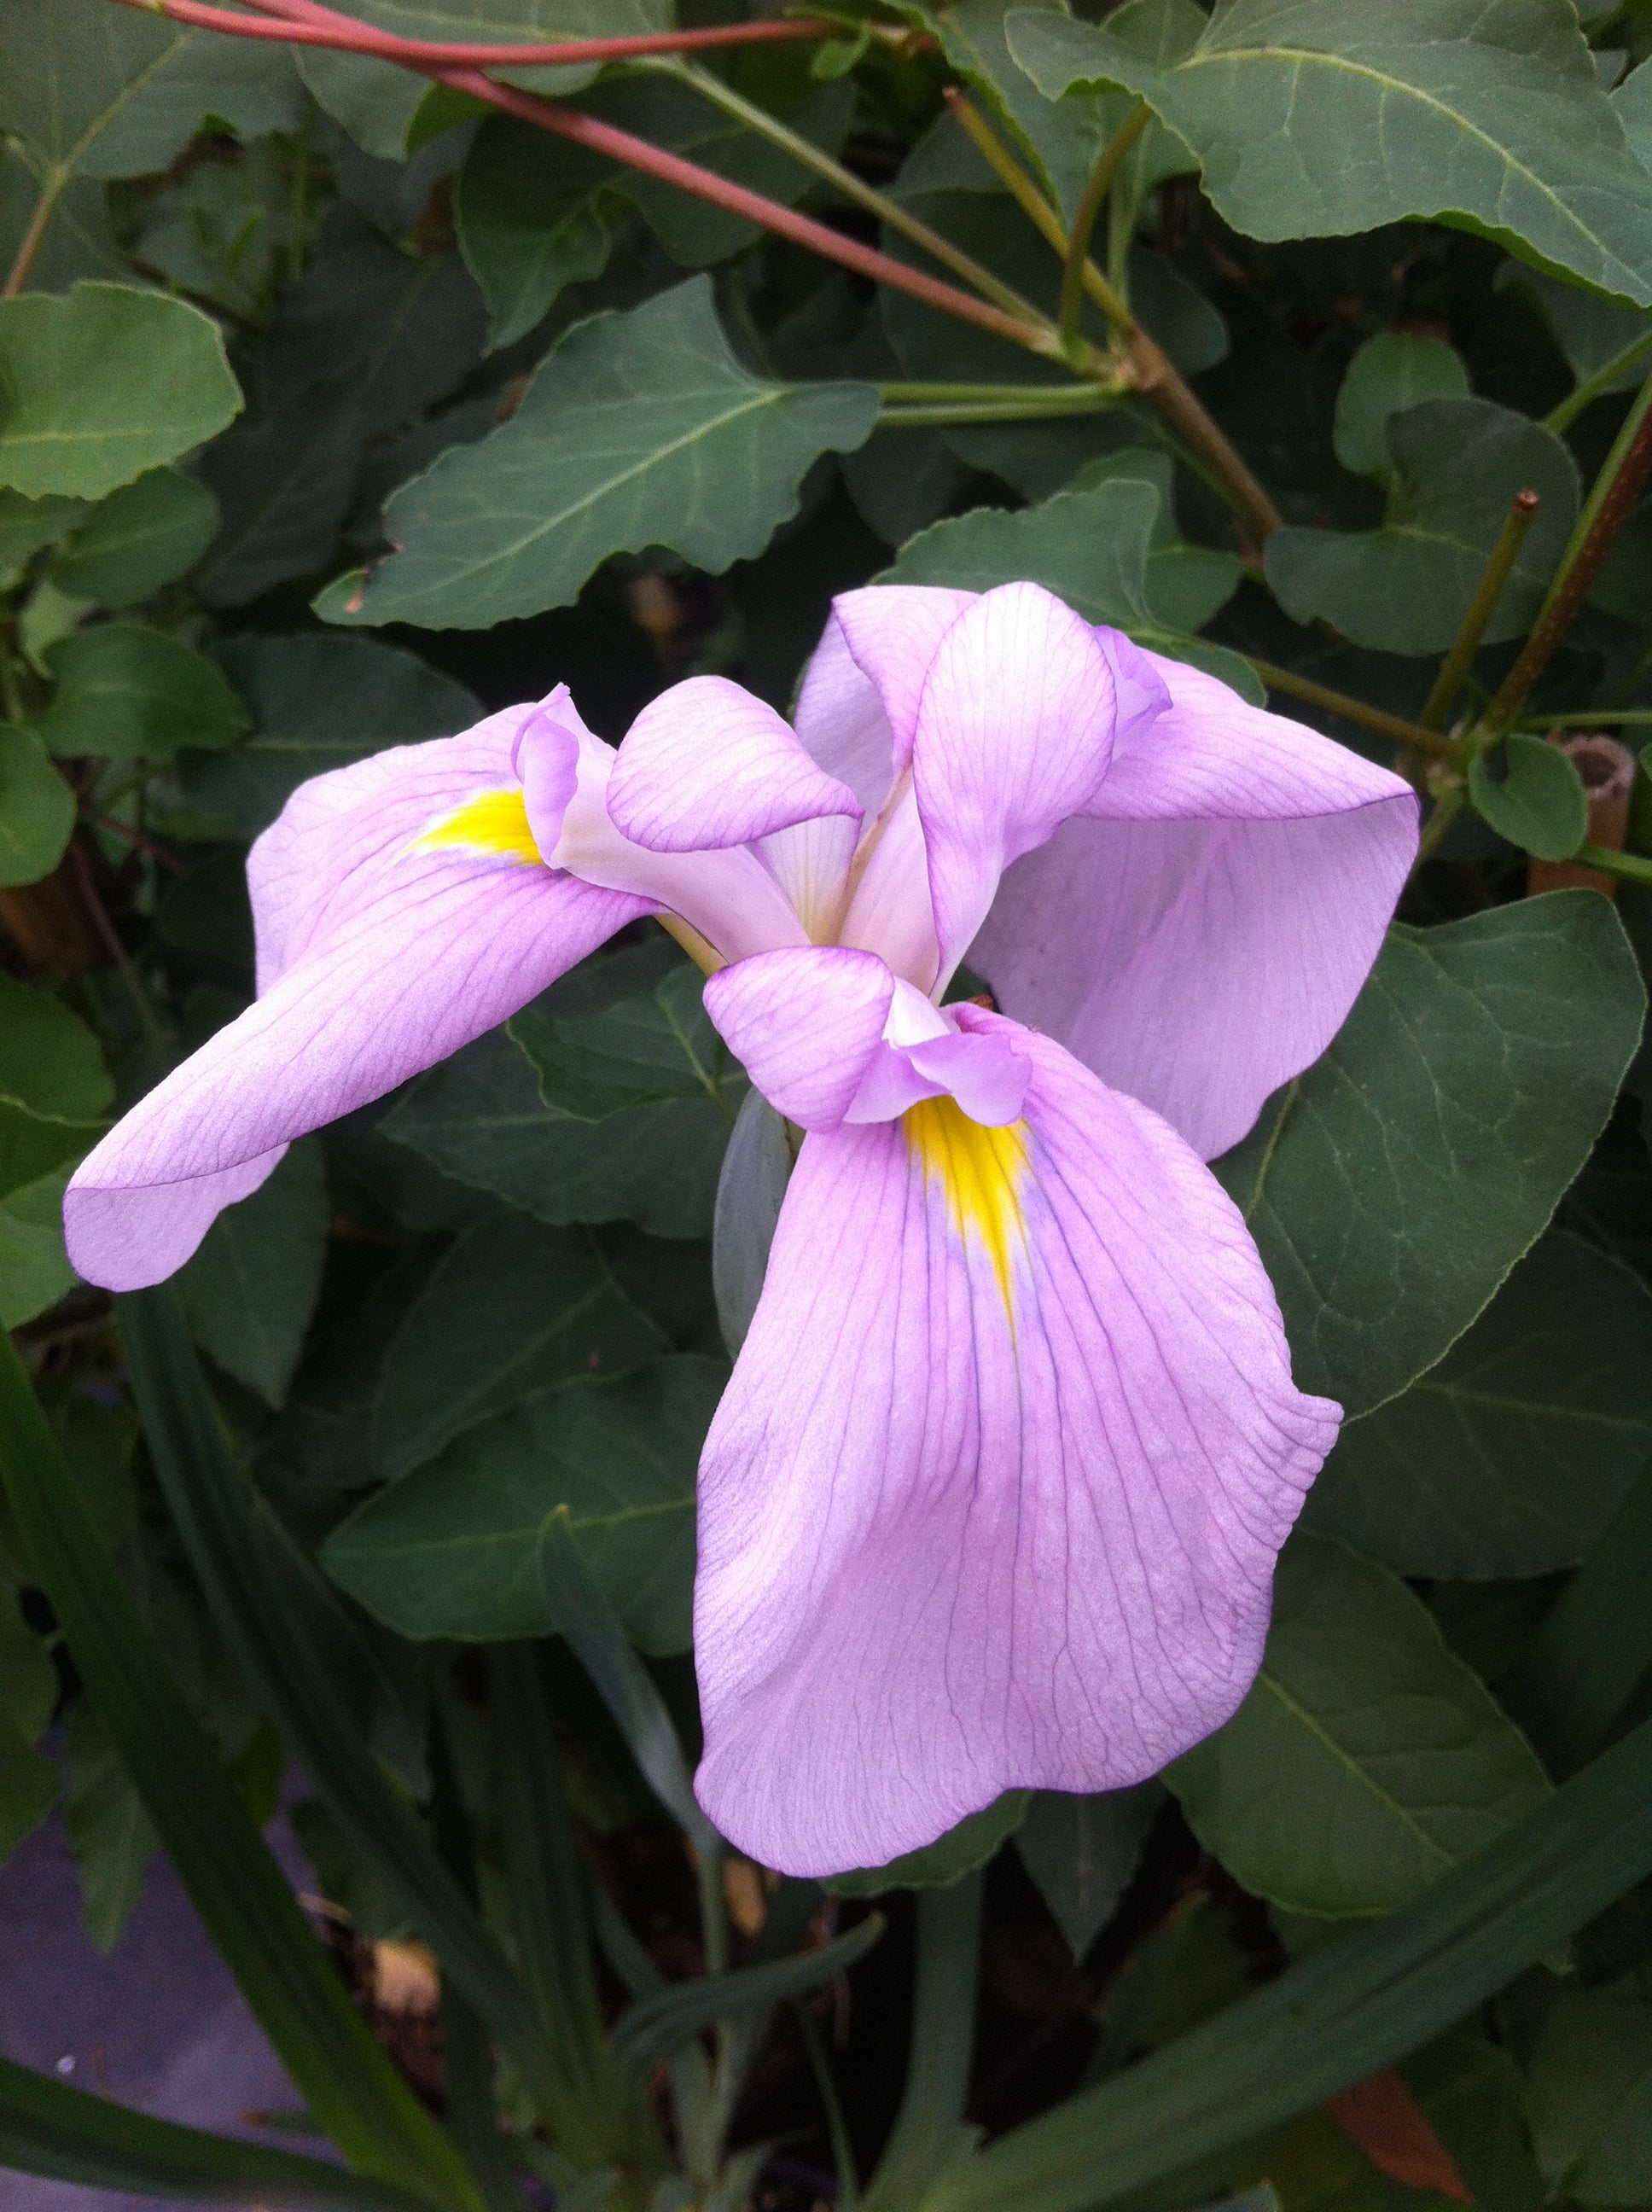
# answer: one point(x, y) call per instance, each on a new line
point(29, 245)
point(1467, 643)
point(346, 36)
point(890, 211)
point(1352, 710)
point(1447, 805)
point(1148, 368)
point(1605, 512)
point(1084, 222)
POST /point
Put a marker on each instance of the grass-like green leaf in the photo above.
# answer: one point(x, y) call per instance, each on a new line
point(240, 1894)
point(66, 2135)
point(1355, 2006)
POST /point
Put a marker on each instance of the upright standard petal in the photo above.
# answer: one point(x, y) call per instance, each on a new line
point(401, 909)
point(1204, 942)
point(994, 1495)
point(724, 892)
point(857, 705)
point(706, 765)
point(1014, 733)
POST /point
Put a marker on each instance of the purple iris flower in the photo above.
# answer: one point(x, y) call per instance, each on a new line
point(994, 1494)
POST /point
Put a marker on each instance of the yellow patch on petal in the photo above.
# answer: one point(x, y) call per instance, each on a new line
point(982, 1172)
point(494, 823)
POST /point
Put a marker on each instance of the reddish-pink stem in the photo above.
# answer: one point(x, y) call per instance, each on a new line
point(352, 38)
point(687, 176)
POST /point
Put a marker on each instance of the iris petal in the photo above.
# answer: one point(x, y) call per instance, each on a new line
point(994, 1496)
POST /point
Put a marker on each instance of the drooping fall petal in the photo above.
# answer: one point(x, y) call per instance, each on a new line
point(994, 1494)
point(402, 908)
point(1203, 943)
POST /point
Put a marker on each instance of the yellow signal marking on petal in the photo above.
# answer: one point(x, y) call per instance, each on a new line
point(494, 823)
point(982, 1172)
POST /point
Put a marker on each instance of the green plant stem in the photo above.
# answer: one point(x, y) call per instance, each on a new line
point(1095, 400)
point(1633, 867)
point(1586, 718)
point(1447, 805)
point(1148, 368)
point(943, 2036)
point(814, 2047)
point(1034, 395)
point(1352, 710)
point(1562, 416)
point(1083, 220)
point(1606, 509)
point(1467, 643)
point(853, 188)
point(1033, 205)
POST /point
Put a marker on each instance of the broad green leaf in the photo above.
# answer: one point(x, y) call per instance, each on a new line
point(640, 429)
point(530, 220)
point(318, 702)
point(103, 92)
point(1577, 1675)
point(1510, 1456)
point(1390, 373)
point(1082, 1853)
point(661, 2022)
point(54, 1091)
point(533, 214)
point(70, 425)
point(1366, 1760)
point(34, 1269)
point(222, 232)
point(969, 1844)
point(140, 537)
point(1589, 2096)
point(1311, 120)
point(366, 339)
point(124, 689)
point(111, 1835)
point(1065, 138)
point(1592, 333)
point(308, 1663)
point(451, 1550)
point(26, 524)
point(1457, 465)
point(1354, 2005)
point(575, 1597)
point(1631, 103)
point(1093, 547)
point(1391, 1187)
point(612, 1099)
point(36, 808)
point(78, 241)
point(522, 23)
point(69, 2134)
point(252, 1915)
point(374, 102)
point(512, 1308)
point(49, 1060)
point(28, 1788)
point(249, 1291)
point(1539, 805)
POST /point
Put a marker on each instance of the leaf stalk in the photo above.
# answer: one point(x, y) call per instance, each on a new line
point(1083, 220)
point(1498, 567)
